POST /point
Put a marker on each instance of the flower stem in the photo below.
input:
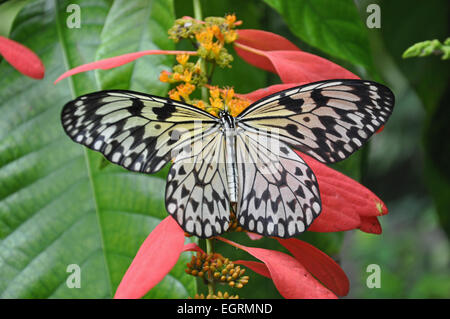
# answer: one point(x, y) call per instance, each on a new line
point(197, 10)
point(198, 16)
point(210, 250)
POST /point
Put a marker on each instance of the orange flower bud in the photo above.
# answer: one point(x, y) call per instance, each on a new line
point(182, 58)
point(164, 76)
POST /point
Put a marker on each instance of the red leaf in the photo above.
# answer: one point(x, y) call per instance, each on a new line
point(319, 264)
point(344, 201)
point(293, 66)
point(260, 93)
point(264, 41)
point(254, 236)
point(380, 129)
point(21, 58)
point(370, 224)
point(256, 266)
point(155, 258)
point(292, 280)
point(192, 247)
point(116, 61)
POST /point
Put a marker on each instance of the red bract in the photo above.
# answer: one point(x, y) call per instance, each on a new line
point(292, 65)
point(261, 41)
point(155, 258)
point(260, 93)
point(290, 277)
point(346, 204)
point(325, 269)
point(21, 58)
point(116, 61)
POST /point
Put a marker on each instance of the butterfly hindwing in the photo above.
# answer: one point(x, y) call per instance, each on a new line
point(278, 192)
point(328, 120)
point(196, 192)
point(135, 130)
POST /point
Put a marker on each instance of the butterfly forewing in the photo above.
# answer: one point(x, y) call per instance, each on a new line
point(135, 130)
point(328, 120)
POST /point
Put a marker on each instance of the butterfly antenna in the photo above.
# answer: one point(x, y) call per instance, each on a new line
point(225, 104)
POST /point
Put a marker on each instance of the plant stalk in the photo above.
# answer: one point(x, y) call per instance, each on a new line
point(210, 250)
point(198, 16)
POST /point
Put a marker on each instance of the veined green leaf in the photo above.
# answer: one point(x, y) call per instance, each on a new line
point(57, 207)
point(333, 27)
point(8, 12)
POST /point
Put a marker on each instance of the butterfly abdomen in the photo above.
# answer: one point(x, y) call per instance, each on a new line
point(229, 125)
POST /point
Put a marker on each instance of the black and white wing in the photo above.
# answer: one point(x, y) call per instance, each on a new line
point(142, 133)
point(196, 191)
point(137, 131)
point(328, 120)
point(278, 194)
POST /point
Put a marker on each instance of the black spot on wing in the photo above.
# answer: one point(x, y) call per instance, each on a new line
point(136, 107)
point(164, 112)
point(317, 96)
point(294, 105)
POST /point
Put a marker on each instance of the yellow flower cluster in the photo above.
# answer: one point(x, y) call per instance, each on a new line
point(187, 72)
point(184, 72)
point(210, 37)
point(219, 295)
point(224, 99)
point(214, 267)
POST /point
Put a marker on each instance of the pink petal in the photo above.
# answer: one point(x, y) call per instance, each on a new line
point(155, 258)
point(116, 61)
point(192, 247)
point(254, 236)
point(325, 269)
point(293, 66)
point(260, 93)
point(256, 266)
point(21, 58)
point(292, 280)
point(264, 41)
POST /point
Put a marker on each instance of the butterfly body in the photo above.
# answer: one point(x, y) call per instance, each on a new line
point(248, 160)
point(228, 127)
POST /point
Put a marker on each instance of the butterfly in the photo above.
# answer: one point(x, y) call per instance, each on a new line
point(246, 163)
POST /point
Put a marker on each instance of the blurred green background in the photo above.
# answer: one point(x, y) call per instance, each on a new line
point(58, 206)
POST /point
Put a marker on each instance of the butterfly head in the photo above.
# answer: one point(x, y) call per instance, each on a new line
point(227, 120)
point(223, 113)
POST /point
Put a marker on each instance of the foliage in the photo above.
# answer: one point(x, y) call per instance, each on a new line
point(60, 206)
point(428, 47)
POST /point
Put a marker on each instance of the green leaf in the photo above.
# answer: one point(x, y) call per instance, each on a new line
point(137, 26)
point(426, 48)
point(57, 207)
point(436, 162)
point(430, 76)
point(334, 27)
point(8, 12)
